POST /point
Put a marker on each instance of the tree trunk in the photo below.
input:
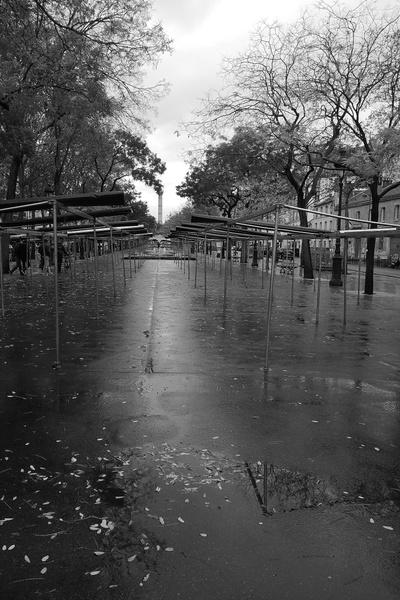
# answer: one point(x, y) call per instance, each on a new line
point(369, 261)
point(306, 252)
point(369, 267)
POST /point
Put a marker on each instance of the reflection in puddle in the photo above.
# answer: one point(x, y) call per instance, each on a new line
point(138, 506)
point(279, 490)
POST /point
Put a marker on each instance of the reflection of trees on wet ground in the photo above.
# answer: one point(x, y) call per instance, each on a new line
point(280, 490)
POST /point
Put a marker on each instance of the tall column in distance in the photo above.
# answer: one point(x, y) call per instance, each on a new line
point(160, 199)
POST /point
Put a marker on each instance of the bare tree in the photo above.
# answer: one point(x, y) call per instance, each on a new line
point(354, 68)
point(328, 81)
point(266, 88)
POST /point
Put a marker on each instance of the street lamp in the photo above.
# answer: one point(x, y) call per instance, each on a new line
point(336, 279)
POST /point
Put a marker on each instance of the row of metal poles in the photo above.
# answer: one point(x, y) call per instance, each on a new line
point(184, 256)
point(135, 255)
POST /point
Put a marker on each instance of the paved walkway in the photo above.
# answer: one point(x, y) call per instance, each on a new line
point(160, 462)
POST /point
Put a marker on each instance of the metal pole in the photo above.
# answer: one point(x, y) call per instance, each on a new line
point(96, 278)
point(226, 263)
point(3, 312)
point(188, 256)
point(196, 257)
point(56, 364)
point(319, 280)
point(74, 256)
point(123, 260)
point(229, 255)
point(359, 276)
point(87, 255)
point(345, 249)
point(130, 257)
point(28, 256)
point(112, 259)
point(271, 288)
point(262, 265)
point(205, 266)
point(292, 290)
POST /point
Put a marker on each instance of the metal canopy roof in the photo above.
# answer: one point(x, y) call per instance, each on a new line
point(84, 226)
point(129, 229)
point(245, 227)
point(95, 199)
point(95, 214)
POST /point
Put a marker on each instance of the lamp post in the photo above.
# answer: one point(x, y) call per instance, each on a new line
point(336, 279)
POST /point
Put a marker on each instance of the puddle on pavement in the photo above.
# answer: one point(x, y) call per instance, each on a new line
point(152, 492)
point(130, 510)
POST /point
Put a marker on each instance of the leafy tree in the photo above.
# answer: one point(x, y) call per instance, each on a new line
point(140, 211)
point(100, 157)
point(67, 67)
point(177, 217)
point(62, 64)
point(231, 177)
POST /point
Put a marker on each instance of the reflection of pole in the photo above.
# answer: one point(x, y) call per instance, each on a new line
point(57, 364)
point(265, 485)
point(271, 289)
point(254, 485)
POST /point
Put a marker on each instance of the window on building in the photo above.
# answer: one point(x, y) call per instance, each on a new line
point(383, 211)
point(358, 214)
point(396, 212)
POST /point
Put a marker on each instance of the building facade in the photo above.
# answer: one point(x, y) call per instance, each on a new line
point(357, 206)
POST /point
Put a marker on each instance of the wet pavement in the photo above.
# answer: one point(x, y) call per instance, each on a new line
point(160, 463)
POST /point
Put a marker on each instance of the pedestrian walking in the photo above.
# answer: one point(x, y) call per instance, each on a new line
point(45, 255)
point(20, 253)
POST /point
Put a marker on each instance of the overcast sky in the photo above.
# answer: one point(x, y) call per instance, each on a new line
point(203, 31)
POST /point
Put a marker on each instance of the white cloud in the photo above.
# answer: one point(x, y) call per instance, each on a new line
point(203, 31)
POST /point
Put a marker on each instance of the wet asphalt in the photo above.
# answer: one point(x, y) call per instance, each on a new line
point(162, 462)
